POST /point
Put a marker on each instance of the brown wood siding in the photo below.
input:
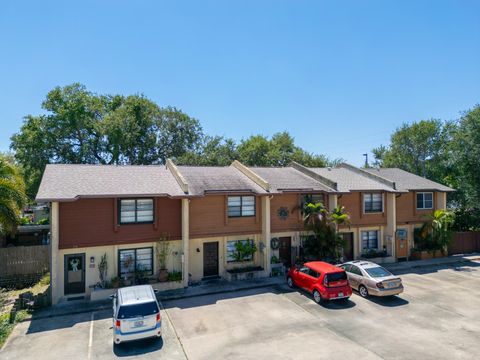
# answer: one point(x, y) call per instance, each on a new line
point(208, 217)
point(407, 209)
point(90, 222)
point(294, 220)
point(353, 204)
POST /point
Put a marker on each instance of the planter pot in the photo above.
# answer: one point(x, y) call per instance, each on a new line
point(425, 255)
point(162, 275)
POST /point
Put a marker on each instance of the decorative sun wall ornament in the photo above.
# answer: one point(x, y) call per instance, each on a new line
point(283, 213)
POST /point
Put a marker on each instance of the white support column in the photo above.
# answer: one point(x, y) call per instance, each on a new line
point(55, 286)
point(185, 240)
point(391, 228)
point(441, 200)
point(266, 232)
point(332, 201)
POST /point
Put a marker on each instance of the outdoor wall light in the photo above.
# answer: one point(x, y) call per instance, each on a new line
point(198, 250)
point(92, 259)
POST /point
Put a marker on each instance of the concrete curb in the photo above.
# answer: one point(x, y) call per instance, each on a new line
point(443, 261)
point(101, 307)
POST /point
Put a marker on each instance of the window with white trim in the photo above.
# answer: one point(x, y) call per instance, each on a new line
point(370, 239)
point(372, 203)
point(131, 260)
point(424, 200)
point(135, 211)
point(231, 250)
point(239, 206)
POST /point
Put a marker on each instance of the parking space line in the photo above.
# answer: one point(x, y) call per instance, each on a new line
point(90, 339)
point(173, 328)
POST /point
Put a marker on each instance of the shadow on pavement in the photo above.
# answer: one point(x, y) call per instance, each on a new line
point(138, 347)
point(339, 304)
point(464, 265)
point(389, 301)
point(211, 299)
point(65, 321)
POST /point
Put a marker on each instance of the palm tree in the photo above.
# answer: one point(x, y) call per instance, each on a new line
point(12, 195)
point(326, 243)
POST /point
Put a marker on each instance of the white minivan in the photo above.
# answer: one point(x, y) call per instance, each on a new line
point(136, 314)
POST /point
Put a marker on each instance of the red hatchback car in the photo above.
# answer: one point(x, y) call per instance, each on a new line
point(323, 280)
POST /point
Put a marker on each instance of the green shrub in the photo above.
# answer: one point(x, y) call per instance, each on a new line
point(44, 221)
point(175, 276)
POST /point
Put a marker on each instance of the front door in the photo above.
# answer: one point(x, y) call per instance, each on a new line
point(210, 259)
point(74, 274)
point(348, 248)
point(401, 247)
point(285, 251)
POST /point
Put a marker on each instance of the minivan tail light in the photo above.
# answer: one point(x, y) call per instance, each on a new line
point(158, 317)
point(117, 324)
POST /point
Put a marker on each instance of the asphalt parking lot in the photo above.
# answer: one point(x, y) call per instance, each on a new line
point(436, 318)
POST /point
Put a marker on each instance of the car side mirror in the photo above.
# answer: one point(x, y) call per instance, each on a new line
point(113, 296)
point(156, 291)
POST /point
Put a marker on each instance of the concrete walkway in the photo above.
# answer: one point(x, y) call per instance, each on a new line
point(413, 264)
point(205, 288)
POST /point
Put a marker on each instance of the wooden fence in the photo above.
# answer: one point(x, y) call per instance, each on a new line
point(465, 243)
point(23, 260)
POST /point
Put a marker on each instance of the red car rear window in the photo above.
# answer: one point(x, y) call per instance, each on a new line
point(337, 276)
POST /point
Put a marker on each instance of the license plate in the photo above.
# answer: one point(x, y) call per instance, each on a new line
point(138, 323)
point(340, 294)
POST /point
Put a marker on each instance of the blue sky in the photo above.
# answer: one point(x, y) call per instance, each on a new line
point(340, 76)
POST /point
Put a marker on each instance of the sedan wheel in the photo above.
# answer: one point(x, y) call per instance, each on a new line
point(363, 291)
point(317, 297)
point(290, 282)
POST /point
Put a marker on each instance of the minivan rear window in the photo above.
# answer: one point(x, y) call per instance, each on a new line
point(136, 310)
point(337, 276)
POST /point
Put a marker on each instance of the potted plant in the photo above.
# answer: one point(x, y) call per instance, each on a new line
point(244, 250)
point(103, 269)
point(162, 250)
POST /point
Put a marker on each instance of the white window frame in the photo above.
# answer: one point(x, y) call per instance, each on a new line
point(423, 193)
point(364, 195)
point(136, 211)
point(241, 206)
point(233, 242)
point(369, 231)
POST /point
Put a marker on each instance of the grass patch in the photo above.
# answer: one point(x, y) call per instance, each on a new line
point(6, 327)
point(7, 298)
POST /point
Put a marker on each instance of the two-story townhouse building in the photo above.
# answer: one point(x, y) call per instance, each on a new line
point(417, 200)
point(120, 212)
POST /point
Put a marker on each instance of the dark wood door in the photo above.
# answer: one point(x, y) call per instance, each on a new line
point(210, 259)
point(285, 251)
point(348, 249)
point(74, 274)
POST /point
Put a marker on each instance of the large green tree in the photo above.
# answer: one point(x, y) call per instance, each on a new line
point(421, 148)
point(465, 150)
point(12, 195)
point(82, 127)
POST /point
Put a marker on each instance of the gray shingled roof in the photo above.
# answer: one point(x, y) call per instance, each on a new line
point(408, 181)
point(348, 180)
point(62, 182)
point(289, 179)
point(204, 179)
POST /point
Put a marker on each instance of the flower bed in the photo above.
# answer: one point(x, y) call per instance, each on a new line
point(426, 255)
point(245, 273)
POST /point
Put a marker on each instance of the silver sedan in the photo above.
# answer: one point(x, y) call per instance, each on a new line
point(372, 279)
